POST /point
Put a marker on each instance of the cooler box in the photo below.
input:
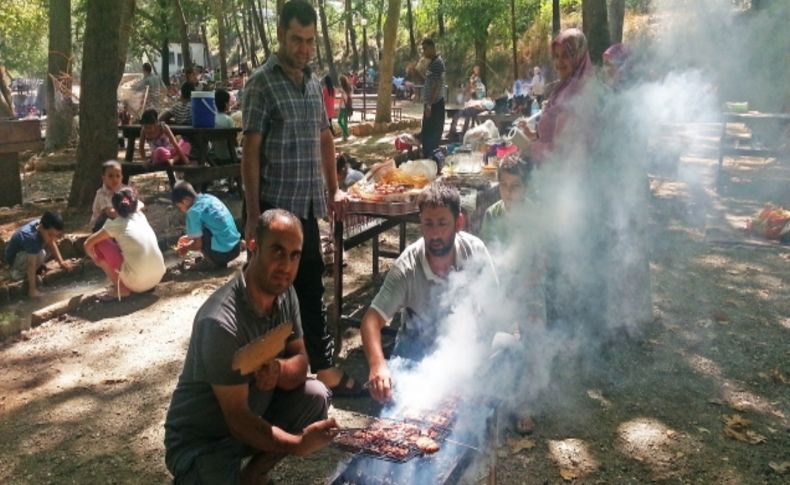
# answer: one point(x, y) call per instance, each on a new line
point(203, 109)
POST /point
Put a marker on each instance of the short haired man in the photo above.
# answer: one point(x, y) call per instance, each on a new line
point(433, 99)
point(289, 159)
point(513, 175)
point(31, 245)
point(181, 112)
point(415, 283)
point(210, 227)
point(154, 85)
point(217, 416)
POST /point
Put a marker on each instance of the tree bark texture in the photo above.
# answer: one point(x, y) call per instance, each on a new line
point(258, 18)
point(327, 42)
point(6, 103)
point(441, 18)
point(412, 40)
point(98, 105)
point(352, 36)
point(514, 38)
point(387, 65)
point(181, 21)
point(248, 29)
point(204, 38)
point(164, 54)
point(59, 115)
point(555, 17)
point(125, 33)
point(222, 35)
point(596, 27)
point(616, 18)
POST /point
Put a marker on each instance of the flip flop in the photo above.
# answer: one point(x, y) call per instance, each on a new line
point(342, 390)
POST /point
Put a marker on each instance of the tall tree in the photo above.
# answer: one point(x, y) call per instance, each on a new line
point(596, 27)
point(412, 40)
point(352, 36)
point(59, 115)
point(327, 44)
point(125, 33)
point(379, 23)
point(98, 105)
point(513, 38)
point(257, 16)
point(204, 39)
point(616, 19)
point(387, 66)
point(248, 30)
point(555, 17)
point(440, 12)
point(183, 27)
point(222, 36)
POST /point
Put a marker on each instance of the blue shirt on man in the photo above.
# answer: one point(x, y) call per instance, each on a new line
point(26, 238)
point(209, 212)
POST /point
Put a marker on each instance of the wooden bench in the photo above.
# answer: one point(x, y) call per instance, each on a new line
point(198, 137)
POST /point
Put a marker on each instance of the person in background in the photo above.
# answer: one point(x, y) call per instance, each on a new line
point(537, 87)
point(616, 66)
point(415, 283)
point(513, 176)
point(289, 163)
point(165, 149)
point(575, 69)
point(181, 112)
point(346, 106)
point(346, 175)
point(477, 90)
point(210, 227)
point(433, 99)
point(154, 85)
point(218, 417)
point(222, 120)
point(29, 248)
point(138, 265)
point(328, 92)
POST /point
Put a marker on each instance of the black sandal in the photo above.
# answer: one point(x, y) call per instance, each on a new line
point(342, 390)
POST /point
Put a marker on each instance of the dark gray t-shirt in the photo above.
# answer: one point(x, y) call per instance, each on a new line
point(225, 323)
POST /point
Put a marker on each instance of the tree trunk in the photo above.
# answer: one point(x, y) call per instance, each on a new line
point(59, 115)
point(318, 55)
point(204, 38)
point(247, 18)
point(327, 44)
point(280, 4)
point(387, 66)
point(515, 40)
point(555, 17)
point(595, 27)
point(412, 40)
point(222, 34)
point(352, 36)
point(6, 104)
point(441, 18)
point(379, 32)
point(242, 42)
point(98, 108)
point(181, 21)
point(164, 54)
point(257, 16)
point(125, 33)
point(616, 19)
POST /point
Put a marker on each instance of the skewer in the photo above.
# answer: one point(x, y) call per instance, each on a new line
point(459, 443)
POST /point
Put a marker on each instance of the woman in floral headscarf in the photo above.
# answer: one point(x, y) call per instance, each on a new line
point(574, 68)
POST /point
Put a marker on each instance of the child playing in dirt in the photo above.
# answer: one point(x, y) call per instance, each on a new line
point(210, 227)
point(137, 264)
point(165, 149)
point(31, 245)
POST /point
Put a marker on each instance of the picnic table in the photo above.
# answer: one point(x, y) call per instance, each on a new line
point(749, 145)
point(198, 137)
point(207, 170)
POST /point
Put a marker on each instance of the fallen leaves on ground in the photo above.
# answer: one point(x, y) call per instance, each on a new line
point(735, 427)
point(568, 475)
point(597, 395)
point(778, 377)
point(780, 468)
point(720, 317)
point(109, 382)
point(518, 445)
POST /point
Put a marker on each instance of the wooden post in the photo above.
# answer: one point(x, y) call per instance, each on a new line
point(15, 136)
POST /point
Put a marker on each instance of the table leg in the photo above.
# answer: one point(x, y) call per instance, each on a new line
point(376, 255)
point(130, 148)
point(337, 273)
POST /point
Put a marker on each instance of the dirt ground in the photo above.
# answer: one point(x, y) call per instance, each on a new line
point(702, 396)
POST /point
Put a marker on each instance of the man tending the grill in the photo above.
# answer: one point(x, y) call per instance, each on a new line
point(415, 283)
point(228, 405)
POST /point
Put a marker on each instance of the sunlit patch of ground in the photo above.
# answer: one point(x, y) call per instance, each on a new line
point(573, 458)
point(653, 443)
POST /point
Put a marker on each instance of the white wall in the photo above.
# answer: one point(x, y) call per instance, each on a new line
point(196, 49)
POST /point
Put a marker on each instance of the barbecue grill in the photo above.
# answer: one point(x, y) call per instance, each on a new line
point(461, 442)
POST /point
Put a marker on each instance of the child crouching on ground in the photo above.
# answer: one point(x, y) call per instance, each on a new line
point(165, 149)
point(210, 227)
point(137, 264)
point(31, 245)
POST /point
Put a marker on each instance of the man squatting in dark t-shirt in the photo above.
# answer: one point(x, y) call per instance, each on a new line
point(217, 416)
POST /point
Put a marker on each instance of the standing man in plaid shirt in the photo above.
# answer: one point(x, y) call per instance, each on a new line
point(289, 163)
point(433, 99)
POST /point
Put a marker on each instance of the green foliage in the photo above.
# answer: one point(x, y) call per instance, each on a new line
point(24, 29)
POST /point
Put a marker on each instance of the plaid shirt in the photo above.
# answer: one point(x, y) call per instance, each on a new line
point(291, 120)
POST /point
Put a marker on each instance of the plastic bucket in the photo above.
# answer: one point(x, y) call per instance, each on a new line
point(203, 109)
